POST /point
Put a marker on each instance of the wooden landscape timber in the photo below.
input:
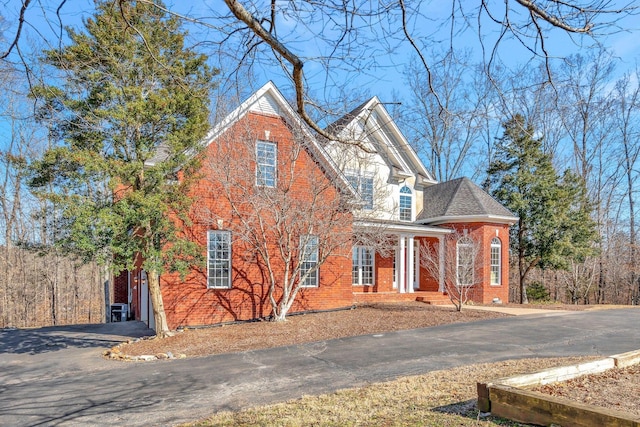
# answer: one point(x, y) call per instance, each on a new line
point(510, 398)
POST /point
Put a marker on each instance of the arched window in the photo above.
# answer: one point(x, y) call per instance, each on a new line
point(465, 261)
point(496, 261)
point(406, 202)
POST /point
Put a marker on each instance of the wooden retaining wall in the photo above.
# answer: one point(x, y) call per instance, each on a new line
point(508, 397)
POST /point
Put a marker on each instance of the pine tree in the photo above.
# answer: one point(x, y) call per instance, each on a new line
point(131, 111)
point(554, 223)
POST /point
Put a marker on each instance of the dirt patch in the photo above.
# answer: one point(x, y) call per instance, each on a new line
point(617, 388)
point(363, 320)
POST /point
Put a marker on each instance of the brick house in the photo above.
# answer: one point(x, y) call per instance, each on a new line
point(363, 214)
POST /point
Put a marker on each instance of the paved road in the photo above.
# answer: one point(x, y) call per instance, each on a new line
point(53, 376)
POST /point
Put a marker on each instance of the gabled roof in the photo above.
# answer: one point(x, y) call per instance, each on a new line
point(461, 200)
point(371, 122)
point(269, 100)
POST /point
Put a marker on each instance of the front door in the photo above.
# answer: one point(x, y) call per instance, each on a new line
point(146, 306)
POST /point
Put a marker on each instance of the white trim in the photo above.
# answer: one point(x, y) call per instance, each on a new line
point(229, 260)
point(410, 264)
point(357, 249)
point(401, 271)
point(495, 219)
point(411, 197)
point(412, 228)
point(377, 124)
point(304, 241)
point(269, 89)
point(360, 177)
point(493, 246)
point(396, 262)
point(260, 180)
point(467, 243)
point(390, 124)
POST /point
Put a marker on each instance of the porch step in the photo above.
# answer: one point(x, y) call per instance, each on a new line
point(434, 298)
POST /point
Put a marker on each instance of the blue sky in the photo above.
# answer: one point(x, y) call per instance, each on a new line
point(382, 79)
point(384, 75)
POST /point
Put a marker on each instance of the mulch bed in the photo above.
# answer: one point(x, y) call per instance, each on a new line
point(362, 320)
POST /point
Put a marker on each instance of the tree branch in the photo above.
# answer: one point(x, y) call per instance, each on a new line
point(23, 10)
point(254, 25)
point(554, 20)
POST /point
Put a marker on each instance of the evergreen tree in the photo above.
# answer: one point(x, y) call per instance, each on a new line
point(131, 111)
point(554, 223)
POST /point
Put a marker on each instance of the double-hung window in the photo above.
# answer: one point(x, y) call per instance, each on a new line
point(363, 184)
point(309, 261)
point(496, 261)
point(219, 259)
point(466, 261)
point(266, 163)
point(362, 272)
point(406, 201)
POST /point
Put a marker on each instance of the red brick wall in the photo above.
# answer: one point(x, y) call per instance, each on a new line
point(427, 281)
point(120, 288)
point(187, 300)
point(484, 292)
point(384, 273)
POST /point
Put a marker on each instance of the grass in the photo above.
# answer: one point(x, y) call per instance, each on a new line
point(441, 398)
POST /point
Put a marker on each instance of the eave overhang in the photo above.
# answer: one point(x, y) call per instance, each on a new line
point(494, 219)
point(400, 228)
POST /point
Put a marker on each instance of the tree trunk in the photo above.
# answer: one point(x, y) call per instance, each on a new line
point(162, 329)
point(522, 268)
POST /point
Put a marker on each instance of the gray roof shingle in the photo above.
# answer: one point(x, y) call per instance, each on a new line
point(460, 198)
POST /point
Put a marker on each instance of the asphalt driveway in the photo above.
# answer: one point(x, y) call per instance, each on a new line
point(54, 376)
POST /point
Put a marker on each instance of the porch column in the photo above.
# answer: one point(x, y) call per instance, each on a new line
point(400, 268)
point(416, 267)
point(410, 264)
point(441, 250)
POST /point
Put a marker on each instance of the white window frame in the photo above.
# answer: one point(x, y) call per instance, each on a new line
point(216, 261)
point(462, 265)
point(495, 259)
point(363, 183)
point(265, 164)
point(358, 273)
point(309, 252)
point(402, 211)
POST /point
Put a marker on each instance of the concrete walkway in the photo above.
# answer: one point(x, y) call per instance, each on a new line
point(41, 387)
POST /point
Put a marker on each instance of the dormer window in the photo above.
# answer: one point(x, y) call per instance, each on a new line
point(363, 184)
point(406, 203)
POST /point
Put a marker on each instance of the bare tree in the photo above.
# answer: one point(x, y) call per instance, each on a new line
point(288, 217)
point(446, 135)
point(580, 279)
point(628, 107)
point(462, 268)
point(338, 40)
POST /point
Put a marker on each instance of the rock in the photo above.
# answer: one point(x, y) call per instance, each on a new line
point(147, 357)
point(182, 356)
point(162, 356)
point(170, 355)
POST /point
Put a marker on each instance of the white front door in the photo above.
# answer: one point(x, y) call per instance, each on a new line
point(146, 306)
